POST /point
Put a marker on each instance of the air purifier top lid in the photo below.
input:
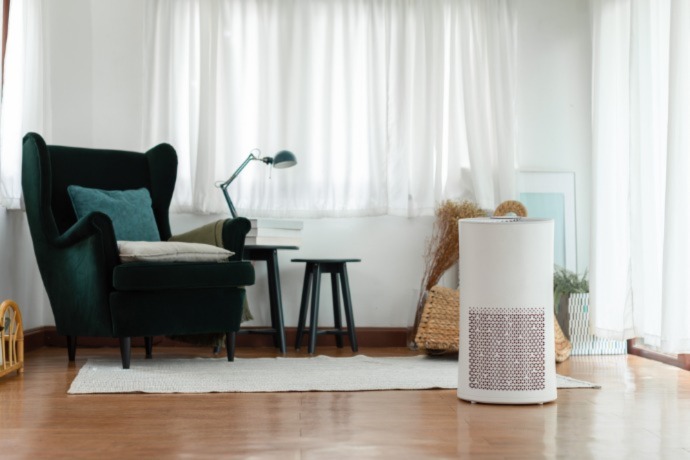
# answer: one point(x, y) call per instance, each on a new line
point(505, 220)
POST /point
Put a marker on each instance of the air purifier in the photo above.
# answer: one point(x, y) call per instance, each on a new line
point(506, 343)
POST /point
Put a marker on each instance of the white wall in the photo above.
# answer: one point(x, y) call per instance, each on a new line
point(19, 277)
point(97, 99)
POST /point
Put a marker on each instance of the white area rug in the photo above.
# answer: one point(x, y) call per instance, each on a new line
point(321, 373)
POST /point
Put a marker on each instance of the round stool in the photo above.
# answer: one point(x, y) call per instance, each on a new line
point(312, 282)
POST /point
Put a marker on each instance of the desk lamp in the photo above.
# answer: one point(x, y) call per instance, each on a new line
point(281, 160)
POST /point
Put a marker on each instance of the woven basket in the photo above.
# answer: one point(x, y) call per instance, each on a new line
point(438, 330)
point(11, 339)
point(563, 345)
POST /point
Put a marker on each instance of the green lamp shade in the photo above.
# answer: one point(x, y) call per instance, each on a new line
point(284, 159)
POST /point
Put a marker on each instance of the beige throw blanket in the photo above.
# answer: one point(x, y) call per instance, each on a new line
point(210, 234)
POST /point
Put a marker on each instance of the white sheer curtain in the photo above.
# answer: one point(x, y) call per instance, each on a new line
point(24, 95)
point(385, 102)
point(641, 159)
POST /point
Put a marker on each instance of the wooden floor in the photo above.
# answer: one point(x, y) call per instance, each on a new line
point(642, 411)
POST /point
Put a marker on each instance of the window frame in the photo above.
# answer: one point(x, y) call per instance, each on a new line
point(5, 22)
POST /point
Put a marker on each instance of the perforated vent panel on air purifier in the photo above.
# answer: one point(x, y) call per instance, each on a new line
point(507, 349)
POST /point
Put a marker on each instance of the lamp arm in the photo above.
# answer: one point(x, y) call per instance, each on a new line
point(231, 206)
point(239, 170)
point(224, 185)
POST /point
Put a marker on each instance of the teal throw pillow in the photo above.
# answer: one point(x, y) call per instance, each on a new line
point(129, 210)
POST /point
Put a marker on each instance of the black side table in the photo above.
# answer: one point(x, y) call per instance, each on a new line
point(269, 254)
point(312, 281)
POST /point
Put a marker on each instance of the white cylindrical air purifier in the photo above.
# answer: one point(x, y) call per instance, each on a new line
point(506, 348)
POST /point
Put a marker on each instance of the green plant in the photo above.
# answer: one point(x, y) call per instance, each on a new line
point(565, 283)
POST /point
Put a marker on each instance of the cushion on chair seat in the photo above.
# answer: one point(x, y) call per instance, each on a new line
point(171, 251)
point(146, 276)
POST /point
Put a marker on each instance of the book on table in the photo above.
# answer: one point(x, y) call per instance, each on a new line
point(279, 232)
point(272, 241)
point(274, 232)
point(277, 223)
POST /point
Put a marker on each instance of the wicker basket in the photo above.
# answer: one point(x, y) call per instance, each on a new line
point(563, 345)
point(439, 328)
point(11, 339)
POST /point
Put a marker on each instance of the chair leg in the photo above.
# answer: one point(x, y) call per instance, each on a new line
point(71, 347)
point(230, 345)
point(148, 345)
point(126, 351)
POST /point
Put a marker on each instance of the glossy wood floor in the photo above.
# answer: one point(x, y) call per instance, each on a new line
point(642, 411)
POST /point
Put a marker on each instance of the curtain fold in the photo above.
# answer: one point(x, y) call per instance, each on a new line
point(376, 98)
point(25, 99)
point(610, 288)
point(675, 315)
point(488, 76)
point(641, 110)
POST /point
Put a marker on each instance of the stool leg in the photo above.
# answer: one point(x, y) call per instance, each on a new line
point(335, 289)
point(304, 306)
point(348, 309)
point(316, 288)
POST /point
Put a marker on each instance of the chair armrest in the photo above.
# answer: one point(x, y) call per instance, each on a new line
point(95, 223)
point(78, 264)
point(234, 233)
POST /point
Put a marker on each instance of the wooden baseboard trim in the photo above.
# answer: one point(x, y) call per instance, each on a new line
point(35, 338)
point(683, 361)
point(366, 337)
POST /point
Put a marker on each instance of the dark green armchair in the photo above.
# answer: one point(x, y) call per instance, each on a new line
point(91, 292)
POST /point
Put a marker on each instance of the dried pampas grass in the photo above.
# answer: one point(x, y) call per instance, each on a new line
point(442, 248)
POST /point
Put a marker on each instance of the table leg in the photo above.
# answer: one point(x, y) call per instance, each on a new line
point(274, 294)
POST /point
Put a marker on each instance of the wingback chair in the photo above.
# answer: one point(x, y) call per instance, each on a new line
point(92, 292)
